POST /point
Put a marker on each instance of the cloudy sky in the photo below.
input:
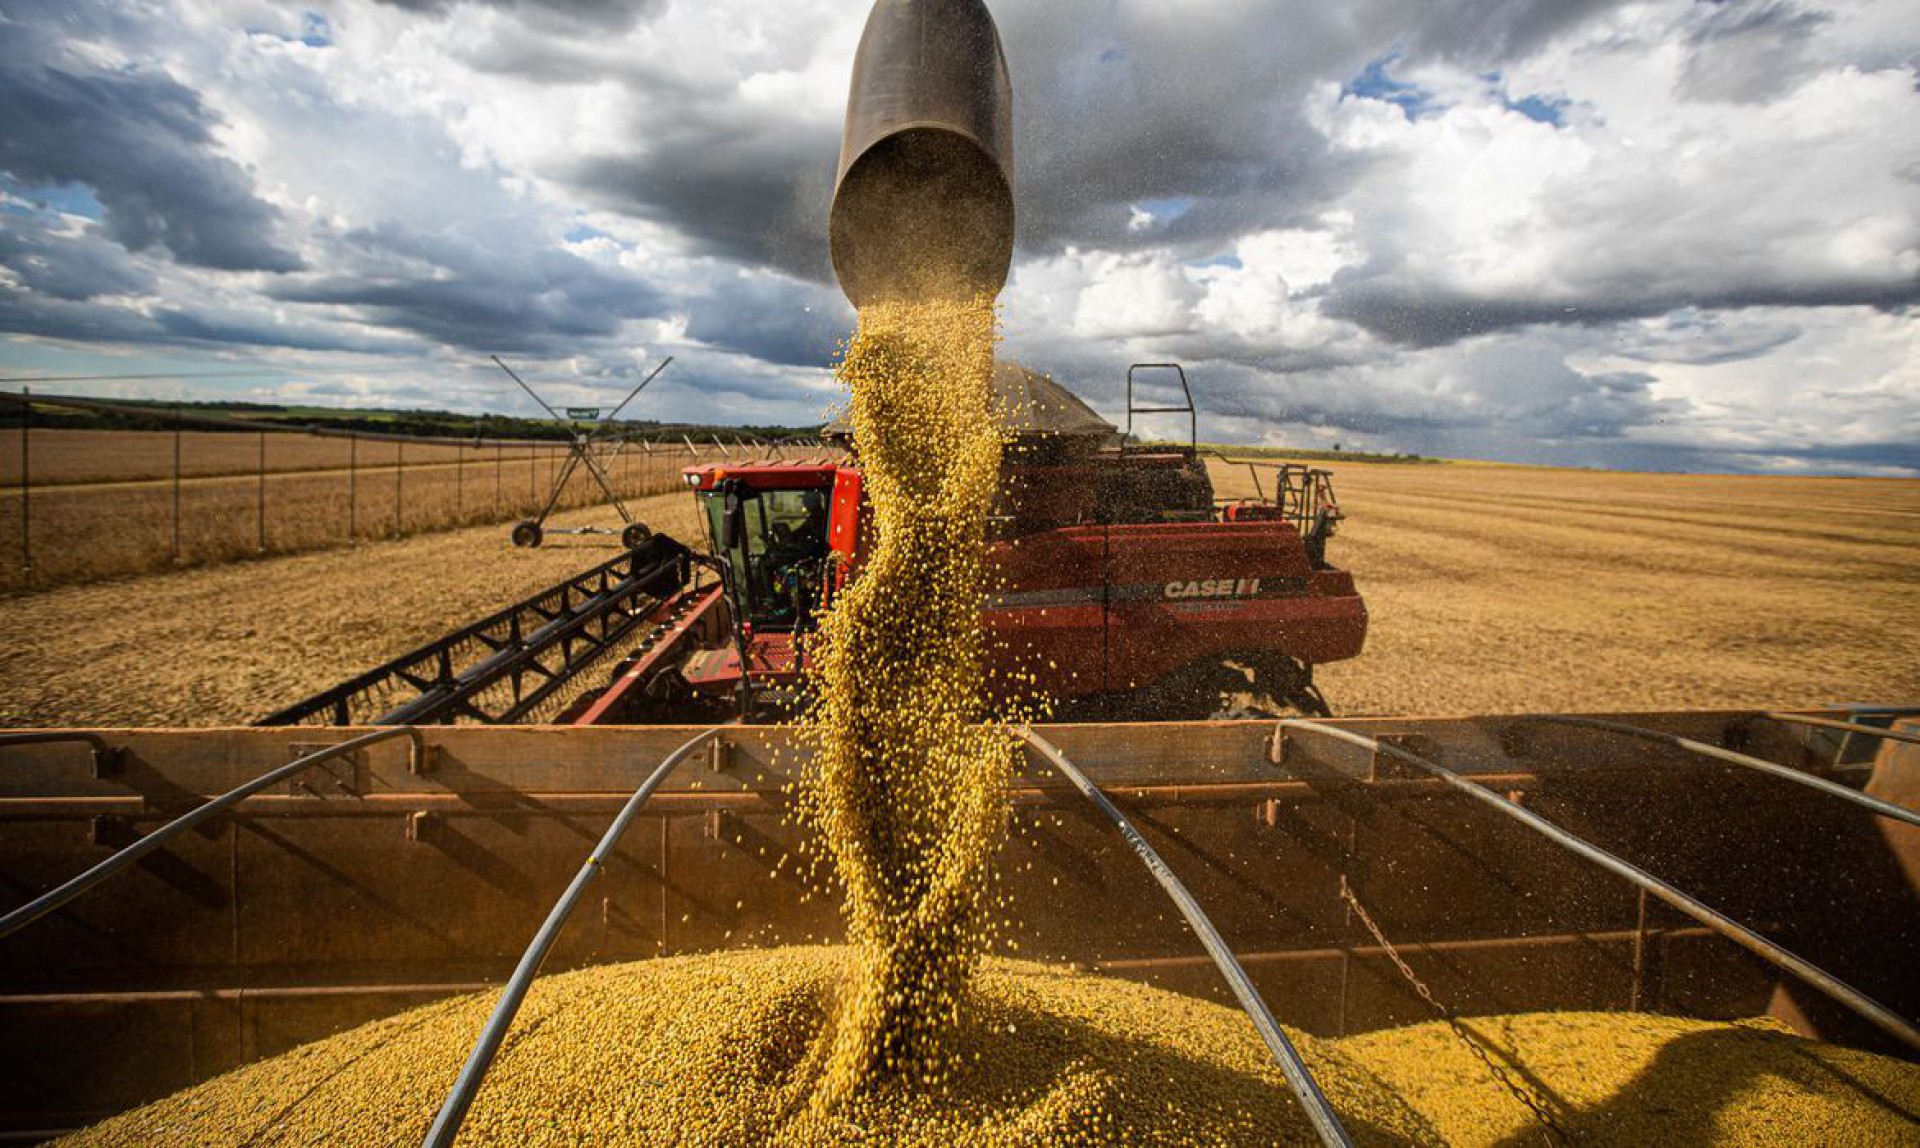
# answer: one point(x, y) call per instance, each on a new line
point(1662, 235)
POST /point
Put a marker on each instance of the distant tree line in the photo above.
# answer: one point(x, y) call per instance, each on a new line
point(149, 414)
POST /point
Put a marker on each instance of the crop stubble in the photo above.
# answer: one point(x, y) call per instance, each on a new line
point(225, 645)
point(1493, 590)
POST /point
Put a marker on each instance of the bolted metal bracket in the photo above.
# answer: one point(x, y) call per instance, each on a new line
point(718, 825)
point(1386, 767)
point(719, 755)
point(423, 759)
point(109, 761)
point(423, 825)
point(340, 776)
point(111, 831)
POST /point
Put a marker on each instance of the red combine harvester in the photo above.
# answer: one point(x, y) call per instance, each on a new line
point(1124, 587)
point(1121, 585)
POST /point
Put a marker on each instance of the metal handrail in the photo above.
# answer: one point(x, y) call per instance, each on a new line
point(1326, 1123)
point(446, 1123)
point(1883, 1018)
point(1908, 736)
point(1831, 789)
point(1193, 419)
point(49, 901)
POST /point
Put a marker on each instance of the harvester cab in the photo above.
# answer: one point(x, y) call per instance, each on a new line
point(767, 527)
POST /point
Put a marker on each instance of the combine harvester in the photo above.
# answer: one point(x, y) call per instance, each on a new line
point(186, 901)
point(1125, 592)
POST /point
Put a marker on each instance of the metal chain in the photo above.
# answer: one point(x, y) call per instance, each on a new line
point(1519, 1090)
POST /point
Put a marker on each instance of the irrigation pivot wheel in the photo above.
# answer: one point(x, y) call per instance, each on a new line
point(635, 534)
point(526, 534)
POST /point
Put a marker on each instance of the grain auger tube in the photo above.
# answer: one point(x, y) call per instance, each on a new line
point(923, 199)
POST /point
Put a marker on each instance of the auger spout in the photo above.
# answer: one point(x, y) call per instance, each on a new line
point(923, 201)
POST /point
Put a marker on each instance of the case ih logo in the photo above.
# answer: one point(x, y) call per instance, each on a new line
point(1214, 588)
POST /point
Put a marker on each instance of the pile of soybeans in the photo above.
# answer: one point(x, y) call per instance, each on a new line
point(721, 1050)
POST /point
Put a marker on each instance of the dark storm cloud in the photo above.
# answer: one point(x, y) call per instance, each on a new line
point(774, 320)
point(68, 280)
point(216, 327)
point(1415, 314)
point(1256, 354)
point(142, 142)
point(757, 193)
point(1474, 33)
point(1901, 453)
point(50, 317)
point(1670, 457)
point(1115, 108)
point(482, 295)
point(1703, 338)
point(1745, 52)
point(601, 15)
point(75, 266)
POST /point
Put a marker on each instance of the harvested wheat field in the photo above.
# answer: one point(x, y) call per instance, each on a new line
point(1492, 589)
point(1496, 589)
point(226, 645)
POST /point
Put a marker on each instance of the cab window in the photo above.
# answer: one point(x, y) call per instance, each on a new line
point(779, 556)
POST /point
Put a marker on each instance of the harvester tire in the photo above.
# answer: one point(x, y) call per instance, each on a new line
point(526, 535)
point(635, 534)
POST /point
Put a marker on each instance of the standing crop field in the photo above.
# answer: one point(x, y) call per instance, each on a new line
point(105, 504)
point(1493, 590)
point(61, 457)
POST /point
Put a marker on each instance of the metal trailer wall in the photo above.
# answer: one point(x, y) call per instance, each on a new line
point(363, 887)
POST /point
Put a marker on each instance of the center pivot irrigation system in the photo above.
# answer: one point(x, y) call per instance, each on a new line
point(594, 448)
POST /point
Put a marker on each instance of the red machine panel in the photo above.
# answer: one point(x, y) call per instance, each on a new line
point(1096, 608)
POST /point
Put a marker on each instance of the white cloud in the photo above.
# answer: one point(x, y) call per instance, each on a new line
point(1588, 233)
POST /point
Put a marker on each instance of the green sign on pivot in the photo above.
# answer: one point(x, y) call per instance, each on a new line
point(583, 414)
